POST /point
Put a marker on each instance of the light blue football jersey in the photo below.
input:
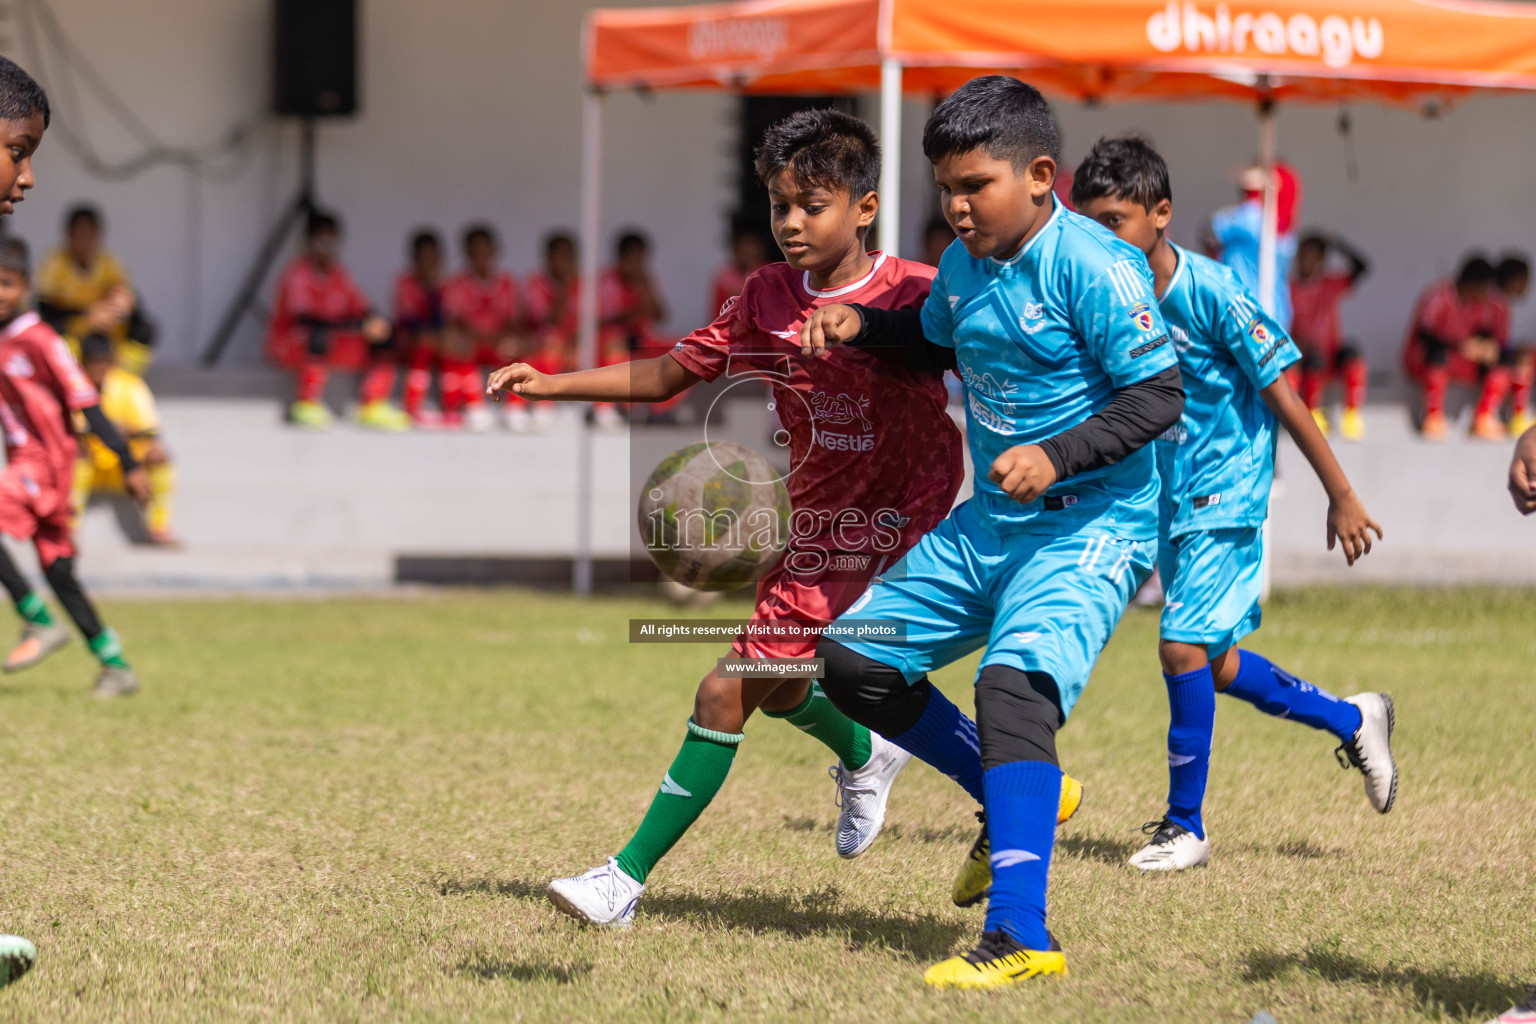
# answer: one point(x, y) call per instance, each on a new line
point(1238, 228)
point(1043, 342)
point(1218, 463)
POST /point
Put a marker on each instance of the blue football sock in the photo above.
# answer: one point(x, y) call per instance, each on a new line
point(1275, 691)
point(1022, 797)
point(946, 739)
point(1191, 721)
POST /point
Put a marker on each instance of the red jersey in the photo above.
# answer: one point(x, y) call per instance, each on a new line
point(308, 293)
point(726, 286)
point(418, 304)
point(41, 387)
point(1442, 313)
point(488, 307)
point(1315, 310)
point(545, 312)
point(876, 460)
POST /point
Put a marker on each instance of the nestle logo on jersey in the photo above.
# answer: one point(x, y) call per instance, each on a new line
point(837, 410)
point(845, 442)
point(1337, 41)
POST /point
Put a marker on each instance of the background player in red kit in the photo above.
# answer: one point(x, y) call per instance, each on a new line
point(1316, 292)
point(553, 296)
point(484, 329)
point(1460, 331)
point(630, 309)
point(41, 388)
point(747, 254)
point(867, 434)
point(323, 318)
point(419, 322)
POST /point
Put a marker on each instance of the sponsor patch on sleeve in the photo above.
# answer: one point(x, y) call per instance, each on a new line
point(1151, 346)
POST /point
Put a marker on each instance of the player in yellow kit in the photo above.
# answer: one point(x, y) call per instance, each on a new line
point(127, 402)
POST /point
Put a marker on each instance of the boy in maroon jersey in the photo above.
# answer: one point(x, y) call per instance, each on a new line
point(41, 388)
point(419, 322)
point(870, 440)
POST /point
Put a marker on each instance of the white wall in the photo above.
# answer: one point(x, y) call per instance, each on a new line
point(472, 109)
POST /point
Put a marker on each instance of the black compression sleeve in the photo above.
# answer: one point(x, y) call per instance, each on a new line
point(110, 436)
point(898, 333)
point(1132, 418)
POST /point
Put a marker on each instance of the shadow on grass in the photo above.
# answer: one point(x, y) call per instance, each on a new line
point(1099, 848)
point(487, 968)
point(802, 914)
point(1305, 849)
point(1470, 996)
point(810, 913)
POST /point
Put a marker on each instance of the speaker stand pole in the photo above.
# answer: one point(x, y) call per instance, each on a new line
point(299, 208)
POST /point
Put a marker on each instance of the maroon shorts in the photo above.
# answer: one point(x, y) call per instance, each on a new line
point(32, 509)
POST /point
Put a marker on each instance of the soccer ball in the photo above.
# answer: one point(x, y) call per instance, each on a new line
point(714, 516)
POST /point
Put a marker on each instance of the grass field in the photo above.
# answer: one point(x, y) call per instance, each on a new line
point(348, 810)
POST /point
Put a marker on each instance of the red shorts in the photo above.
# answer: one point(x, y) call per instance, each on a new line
point(809, 600)
point(32, 510)
point(347, 350)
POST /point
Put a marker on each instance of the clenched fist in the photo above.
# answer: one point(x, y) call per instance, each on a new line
point(1024, 472)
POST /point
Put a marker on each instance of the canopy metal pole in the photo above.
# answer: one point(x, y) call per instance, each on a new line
point(1270, 230)
point(890, 164)
point(586, 323)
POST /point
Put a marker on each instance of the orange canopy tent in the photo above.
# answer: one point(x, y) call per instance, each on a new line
point(1262, 51)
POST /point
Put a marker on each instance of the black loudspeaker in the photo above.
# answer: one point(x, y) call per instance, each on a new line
point(315, 58)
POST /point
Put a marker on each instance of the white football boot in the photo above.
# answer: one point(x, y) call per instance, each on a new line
point(1172, 848)
point(604, 896)
point(862, 794)
point(1370, 750)
point(1523, 1012)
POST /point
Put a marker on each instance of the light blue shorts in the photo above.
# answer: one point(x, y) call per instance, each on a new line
point(1039, 602)
point(1211, 585)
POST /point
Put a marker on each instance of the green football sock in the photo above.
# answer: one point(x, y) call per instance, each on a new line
point(817, 717)
point(34, 609)
point(108, 649)
point(696, 775)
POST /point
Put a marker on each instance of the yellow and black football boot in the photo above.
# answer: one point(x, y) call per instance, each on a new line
point(975, 876)
point(997, 961)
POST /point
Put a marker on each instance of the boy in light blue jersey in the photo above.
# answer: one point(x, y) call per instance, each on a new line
point(1068, 374)
point(1217, 465)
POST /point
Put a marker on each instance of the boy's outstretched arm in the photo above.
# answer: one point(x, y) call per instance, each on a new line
point(1522, 473)
point(644, 380)
point(1348, 522)
point(893, 331)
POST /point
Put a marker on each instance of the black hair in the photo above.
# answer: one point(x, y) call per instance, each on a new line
point(555, 239)
point(20, 95)
point(478, 231)
point(96, 346)
point(15, 256)
point(1476, 270)
point(1124, 168)
point(319, 221)
point(1314, 238)
point(79, 212)
point(1002, 116)
point(823, 149)
point(631, 239)
point(1510, 269)
point(424, 237)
